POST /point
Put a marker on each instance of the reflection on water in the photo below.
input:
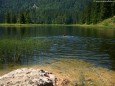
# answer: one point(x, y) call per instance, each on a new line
point(41, 45)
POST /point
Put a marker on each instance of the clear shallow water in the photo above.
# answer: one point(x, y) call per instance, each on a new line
point(50, 44)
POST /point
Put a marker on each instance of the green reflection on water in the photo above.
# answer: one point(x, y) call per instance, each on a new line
point(20, 43)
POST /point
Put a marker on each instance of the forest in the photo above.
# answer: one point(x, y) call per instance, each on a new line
point(69, 12)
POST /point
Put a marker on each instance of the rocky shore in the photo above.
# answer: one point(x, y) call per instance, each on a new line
point(28, 77)
point(65, 73)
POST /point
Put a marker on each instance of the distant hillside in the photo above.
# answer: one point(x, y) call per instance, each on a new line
point(98, 12)
point(55, 11)
point(44, 4)
point(108, 22)
point(47, 9)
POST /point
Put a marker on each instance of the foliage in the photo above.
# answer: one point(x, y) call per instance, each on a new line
point(12, 50)
point(55, 11)
point(113, 19)
point(43, 11)
point(97, 12)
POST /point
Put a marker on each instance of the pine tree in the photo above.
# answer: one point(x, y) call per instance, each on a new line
point(7, 18)
point(22, 18)
point(104, 13)
point(88, 15)
point(14, 19)
point(95, 13)
point(113, 9)
point(27, 18)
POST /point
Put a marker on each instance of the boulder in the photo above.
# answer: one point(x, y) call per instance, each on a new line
point(28, 77)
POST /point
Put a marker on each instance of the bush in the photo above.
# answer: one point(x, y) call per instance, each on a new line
point(105, 23)
point(113, 19)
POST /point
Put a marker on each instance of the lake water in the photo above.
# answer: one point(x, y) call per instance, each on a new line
point(47, 44)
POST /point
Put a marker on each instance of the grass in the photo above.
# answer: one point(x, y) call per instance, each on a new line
point(95, 26)
point(101, 25)
point(107, 23)
point(30, 25)
point(80, 73)
point(72, 72)
point(13, 50)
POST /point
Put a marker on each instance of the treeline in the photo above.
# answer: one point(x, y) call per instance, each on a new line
point(92, 14)
point(42, 17)
point(22, 18)
point(97, 12)
point(43, 11)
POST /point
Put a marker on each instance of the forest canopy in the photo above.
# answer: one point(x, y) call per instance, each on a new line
point(55, 11)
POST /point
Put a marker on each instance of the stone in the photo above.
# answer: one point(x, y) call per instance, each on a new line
point(28, 77)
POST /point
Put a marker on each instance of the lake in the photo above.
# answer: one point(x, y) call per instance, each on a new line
point(46, 44)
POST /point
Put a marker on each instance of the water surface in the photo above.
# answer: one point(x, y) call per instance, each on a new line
point(47, 44)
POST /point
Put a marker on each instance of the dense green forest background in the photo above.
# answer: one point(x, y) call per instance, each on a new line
point(55, 11)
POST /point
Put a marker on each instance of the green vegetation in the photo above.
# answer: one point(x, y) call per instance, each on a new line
point(32, 25)
point(22, 18)
point(12, 50)
point(108, 22)
point(56, 12)
point(80, 73)
point(97, 12)
point(43, 11)
point(76, 73)
point(101, 25)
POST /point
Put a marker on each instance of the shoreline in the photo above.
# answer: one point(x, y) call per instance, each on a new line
point(77, 25)
point(78, 72)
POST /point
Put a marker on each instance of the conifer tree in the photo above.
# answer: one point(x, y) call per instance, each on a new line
point(14, 19)
point(112, 9)
point(7, 17)
point(22, 19)
point(27, 18)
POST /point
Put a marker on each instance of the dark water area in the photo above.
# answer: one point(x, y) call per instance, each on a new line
point(47, 44)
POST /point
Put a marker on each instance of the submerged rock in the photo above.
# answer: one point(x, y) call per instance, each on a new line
point(28, 77)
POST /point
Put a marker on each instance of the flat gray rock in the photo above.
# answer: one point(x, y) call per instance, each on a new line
point(28, 77)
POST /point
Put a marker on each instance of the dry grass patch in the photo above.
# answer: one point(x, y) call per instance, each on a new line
point(71, 72)
point(79, 73)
